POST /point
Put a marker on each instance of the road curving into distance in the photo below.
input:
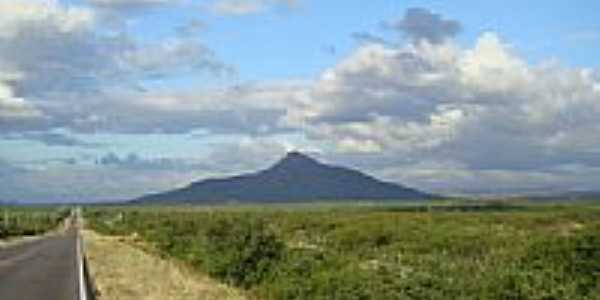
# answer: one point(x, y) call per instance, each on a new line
point(43, 269)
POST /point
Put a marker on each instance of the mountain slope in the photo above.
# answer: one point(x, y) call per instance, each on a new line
point(295, 178)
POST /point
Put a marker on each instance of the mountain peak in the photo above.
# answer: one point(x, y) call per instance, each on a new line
point(297, 155)
point(296, 177)
point(295, 159)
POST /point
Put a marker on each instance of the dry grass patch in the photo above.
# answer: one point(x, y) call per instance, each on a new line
point(123, 272)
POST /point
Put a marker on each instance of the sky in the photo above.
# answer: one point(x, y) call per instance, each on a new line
point(105, 100)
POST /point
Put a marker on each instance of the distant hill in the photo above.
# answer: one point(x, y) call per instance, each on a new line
point(567, 196)
point(295, 178)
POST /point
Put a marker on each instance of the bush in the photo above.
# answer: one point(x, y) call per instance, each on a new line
point(28, 221)
point(557, 268)
point(241, 251)
point(371, 255)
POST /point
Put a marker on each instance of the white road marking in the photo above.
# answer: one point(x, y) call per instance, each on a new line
point(80, 266)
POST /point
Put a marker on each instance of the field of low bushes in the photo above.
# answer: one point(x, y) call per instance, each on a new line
point(550, 252)
point(27, 221)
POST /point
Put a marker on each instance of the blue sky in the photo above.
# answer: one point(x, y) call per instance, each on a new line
point(290, 44)
point(179, 90)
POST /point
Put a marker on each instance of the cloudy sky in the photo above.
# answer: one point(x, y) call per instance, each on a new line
point(110, 99)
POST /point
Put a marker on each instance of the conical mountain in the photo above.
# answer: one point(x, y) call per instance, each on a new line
point(295, 178)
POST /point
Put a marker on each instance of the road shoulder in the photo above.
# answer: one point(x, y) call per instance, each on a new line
point(121, 272)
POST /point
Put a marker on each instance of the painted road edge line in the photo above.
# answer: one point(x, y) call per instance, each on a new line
point(82, 286)
point(80, 260)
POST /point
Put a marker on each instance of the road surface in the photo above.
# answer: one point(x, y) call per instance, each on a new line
point(44, 269)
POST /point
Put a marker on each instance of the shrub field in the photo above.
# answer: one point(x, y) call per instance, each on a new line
point(23, 221)
point(351, 253)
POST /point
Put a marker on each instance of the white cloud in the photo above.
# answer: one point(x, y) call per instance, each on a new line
point(422, 101)
point(57, 61)
point(15, 108)
point(14, 13)
point(482, 108)
point(490, 66)
point(246, 109)
point(413, 85)
point(169, 56)
point(431, 113)
point(40, 38)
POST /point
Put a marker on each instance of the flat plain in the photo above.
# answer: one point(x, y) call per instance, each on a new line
point(364, 251)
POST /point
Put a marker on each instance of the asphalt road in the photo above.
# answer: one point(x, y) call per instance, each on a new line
point(44, 269)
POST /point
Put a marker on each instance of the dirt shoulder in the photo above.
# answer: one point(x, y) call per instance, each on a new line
point(122, 272)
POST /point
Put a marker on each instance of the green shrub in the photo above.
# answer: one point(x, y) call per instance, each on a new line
point(242, 251)
point(550, 253)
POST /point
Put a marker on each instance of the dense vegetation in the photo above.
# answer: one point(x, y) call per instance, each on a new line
point(22, 221)
point(379, 253)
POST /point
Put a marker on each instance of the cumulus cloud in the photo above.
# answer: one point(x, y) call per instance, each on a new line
point(173, 56)
point(26, 65)
point(256, 109)
point(481, 110)
point(430, 112)
point(426, 101)
point(56, 60)
point(422, 24)
point(12, 108)
point(40, 41)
